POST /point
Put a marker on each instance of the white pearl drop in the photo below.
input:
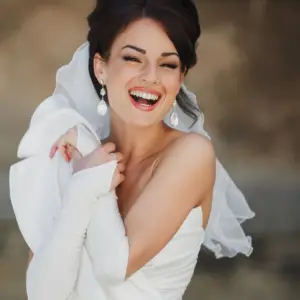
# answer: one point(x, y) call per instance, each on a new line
point(174, 119)
point(102, 108)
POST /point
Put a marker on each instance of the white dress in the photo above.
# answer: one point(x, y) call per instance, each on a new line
point(166, 276)
point(81, 250)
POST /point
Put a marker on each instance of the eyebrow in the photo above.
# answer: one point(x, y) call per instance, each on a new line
point(140, 50)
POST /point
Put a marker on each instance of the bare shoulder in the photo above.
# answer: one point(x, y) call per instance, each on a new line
point(191, 158)
point(187, 161)
point(191, 148)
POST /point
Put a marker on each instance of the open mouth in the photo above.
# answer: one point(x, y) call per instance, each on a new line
point(143, 98)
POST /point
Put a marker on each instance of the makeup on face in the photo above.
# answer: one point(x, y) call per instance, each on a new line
point(143, 98)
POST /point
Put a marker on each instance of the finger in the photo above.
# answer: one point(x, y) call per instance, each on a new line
point(63, 152)
point(69, 151)
point(118, 179)
point(121, 167)
point(118, 156)
point(59, 142)
point(53, 150)
point(109, 147)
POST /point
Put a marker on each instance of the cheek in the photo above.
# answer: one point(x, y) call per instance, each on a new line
point(118, 79)
point(172, 85)
point(121, 69)
point(118, 76)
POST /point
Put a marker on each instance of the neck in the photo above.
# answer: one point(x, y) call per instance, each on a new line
point(136, 143)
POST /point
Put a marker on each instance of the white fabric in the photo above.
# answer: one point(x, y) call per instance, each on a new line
point(67, 266)
point(37, 187)
point(224, 235)
point(60, 251)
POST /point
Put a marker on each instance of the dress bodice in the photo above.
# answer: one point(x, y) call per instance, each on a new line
point(166, 276)
point(171, 270)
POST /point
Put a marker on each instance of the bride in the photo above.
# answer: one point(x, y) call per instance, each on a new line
point(132, 188)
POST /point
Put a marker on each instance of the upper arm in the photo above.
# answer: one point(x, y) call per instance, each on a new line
point(184, 178)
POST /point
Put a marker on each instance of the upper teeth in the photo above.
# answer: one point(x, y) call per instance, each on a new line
point(147, 96)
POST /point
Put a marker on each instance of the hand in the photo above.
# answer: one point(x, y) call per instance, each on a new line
point(64, 143)
point(66, 146)
point(99, 156)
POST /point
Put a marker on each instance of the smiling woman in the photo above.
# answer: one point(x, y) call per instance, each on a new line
point(143, 65)
point(143, 98)
point(166, 36)
point(123, 216)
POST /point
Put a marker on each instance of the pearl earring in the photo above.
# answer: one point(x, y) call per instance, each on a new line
point(102, 106)
point(174, 120)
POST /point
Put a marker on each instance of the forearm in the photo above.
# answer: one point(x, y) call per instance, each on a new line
point(107, 243)
point(53, 270)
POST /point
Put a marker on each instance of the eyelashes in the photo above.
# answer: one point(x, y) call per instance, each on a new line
point(171, 66)
point(165, 65)
point(131, 58)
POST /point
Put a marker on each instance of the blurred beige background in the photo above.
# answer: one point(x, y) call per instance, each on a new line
point(247, 82)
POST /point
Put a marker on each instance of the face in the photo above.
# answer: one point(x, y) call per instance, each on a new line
point(143, 74)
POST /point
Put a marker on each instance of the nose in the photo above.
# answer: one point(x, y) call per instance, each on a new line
point(150, 74)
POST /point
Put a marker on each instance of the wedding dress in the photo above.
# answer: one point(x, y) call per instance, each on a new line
point(72, 223)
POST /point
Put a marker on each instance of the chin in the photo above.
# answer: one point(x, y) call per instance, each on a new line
point(141, 121)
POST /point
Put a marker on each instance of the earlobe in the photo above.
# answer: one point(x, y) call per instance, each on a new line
point(99, 67)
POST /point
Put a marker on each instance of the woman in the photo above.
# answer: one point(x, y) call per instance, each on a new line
point(124, 219)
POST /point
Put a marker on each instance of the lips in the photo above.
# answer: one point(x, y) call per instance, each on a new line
point(144, 99)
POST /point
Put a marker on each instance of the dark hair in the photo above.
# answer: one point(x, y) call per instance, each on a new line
point(178, 17)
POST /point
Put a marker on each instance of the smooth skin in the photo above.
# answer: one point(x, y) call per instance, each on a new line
point(182, 164)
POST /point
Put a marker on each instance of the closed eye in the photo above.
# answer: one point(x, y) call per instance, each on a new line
point(170, 66)
point(135, 59)
point(131, 58)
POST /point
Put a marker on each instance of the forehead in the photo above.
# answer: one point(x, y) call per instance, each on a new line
point(146, 34)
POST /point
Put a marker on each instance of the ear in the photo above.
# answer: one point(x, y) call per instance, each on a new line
point(99, 67)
